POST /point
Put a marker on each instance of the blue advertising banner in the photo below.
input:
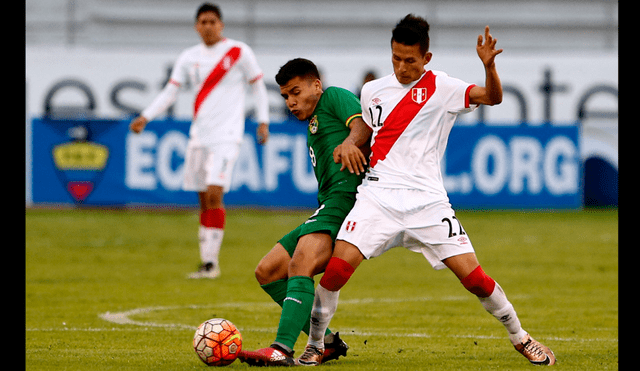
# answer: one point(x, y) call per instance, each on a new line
point(100, 162)
point(510, 167)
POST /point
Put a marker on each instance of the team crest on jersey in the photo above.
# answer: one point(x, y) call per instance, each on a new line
point(313, 124)
point(351, 225)
point(419, 95)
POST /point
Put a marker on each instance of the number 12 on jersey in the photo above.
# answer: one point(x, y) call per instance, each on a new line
point(376, 123)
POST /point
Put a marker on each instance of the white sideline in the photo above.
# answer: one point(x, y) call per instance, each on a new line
point(124, 318)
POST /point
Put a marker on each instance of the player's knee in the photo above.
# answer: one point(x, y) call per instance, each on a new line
point(267, 273)
point(479, 283)
point(336, 274)
point(262, 274)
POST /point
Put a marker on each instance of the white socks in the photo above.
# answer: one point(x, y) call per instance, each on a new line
point(325, 304)
point(210, 242)
point(499, 306)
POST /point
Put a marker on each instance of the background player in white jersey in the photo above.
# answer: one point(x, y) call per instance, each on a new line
point(221, 69)
point(402, 201)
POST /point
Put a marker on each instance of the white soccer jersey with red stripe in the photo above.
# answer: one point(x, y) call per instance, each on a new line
point(411, 125)
point(220, 74)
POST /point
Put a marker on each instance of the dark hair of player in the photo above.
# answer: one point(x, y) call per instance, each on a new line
point(412, 30)
point(208, 7)
point(298, 67)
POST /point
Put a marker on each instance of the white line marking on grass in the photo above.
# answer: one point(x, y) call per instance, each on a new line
point(124, 318)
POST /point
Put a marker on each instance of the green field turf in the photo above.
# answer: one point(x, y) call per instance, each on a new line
point(106, 290)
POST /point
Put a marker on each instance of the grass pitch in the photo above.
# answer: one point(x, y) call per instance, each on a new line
point(107, 290)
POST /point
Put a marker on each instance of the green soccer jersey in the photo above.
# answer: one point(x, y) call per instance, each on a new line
point(329, 127)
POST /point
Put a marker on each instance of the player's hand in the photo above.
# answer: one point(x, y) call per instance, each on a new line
point(138, 124)
point(486, 48)
point(351, 158)
point(262, 133)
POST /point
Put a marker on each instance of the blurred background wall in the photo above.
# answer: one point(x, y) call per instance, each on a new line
point(109, 58)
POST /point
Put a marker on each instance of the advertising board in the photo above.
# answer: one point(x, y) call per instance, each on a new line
point(100, 162)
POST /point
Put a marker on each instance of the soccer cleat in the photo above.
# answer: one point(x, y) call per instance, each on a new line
point(206, 270)
point(312, 356)
point(535, 352)
point(266, 357)
point(334, 347)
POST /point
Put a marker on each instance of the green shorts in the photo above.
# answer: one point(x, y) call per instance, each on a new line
point(326, 219)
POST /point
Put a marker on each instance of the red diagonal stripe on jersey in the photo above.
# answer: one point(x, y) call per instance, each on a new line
point(218, 72)
point(397, 121)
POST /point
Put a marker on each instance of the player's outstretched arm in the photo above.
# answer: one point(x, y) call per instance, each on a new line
point(349, 153)
point(138, 124)
point(491, 93)
point(263, 133)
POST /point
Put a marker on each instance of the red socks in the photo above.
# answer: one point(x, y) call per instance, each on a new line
point(336, 274)
point(212, 218)
point(478, 283)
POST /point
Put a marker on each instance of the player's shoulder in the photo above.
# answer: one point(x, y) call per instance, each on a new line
point(336, 91)
point(191, 51)
point(374, 87)
point(237, 43)
point(444, 78)
point(381, 83)
point(335, 95)
point(439, 73)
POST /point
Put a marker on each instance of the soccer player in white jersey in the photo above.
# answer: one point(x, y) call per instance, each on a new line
point(402, 201)
point(222, 70)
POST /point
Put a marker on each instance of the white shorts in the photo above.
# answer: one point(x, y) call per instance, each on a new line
point(209, 165)
point(384, 218)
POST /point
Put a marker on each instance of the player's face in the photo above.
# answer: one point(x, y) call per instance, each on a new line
point(301, 96)
point(210, 27)
point(408, 62)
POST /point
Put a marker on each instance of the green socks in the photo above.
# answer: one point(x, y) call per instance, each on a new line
point(296, 309)
point(277, 290)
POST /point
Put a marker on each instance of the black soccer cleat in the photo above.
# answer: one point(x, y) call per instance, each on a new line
point(334, 347)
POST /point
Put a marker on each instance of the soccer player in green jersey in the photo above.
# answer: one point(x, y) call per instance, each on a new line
point(335, 135)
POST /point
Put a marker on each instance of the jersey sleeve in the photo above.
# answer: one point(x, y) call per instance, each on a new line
point(249, 65)
point(456, 94)
point(179, 73)
point(365, 96)
point(344, 104)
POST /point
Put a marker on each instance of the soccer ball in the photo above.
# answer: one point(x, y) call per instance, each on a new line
point(217, 342)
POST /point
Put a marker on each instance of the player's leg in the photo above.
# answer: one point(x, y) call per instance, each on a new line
point(211, 230)
point(366, 232)
point(210, 222)
point(310, 246)
point(211, 169)
point(272, 273)
point(346, 258)
point(492, 297)
point(468, 270)
point(310, 257)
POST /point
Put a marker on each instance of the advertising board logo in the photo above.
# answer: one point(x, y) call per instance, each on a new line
point(80, 164)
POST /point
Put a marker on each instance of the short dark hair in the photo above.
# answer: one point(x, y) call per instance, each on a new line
point(412, 30)
point(298, 67)
point(208, 7)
